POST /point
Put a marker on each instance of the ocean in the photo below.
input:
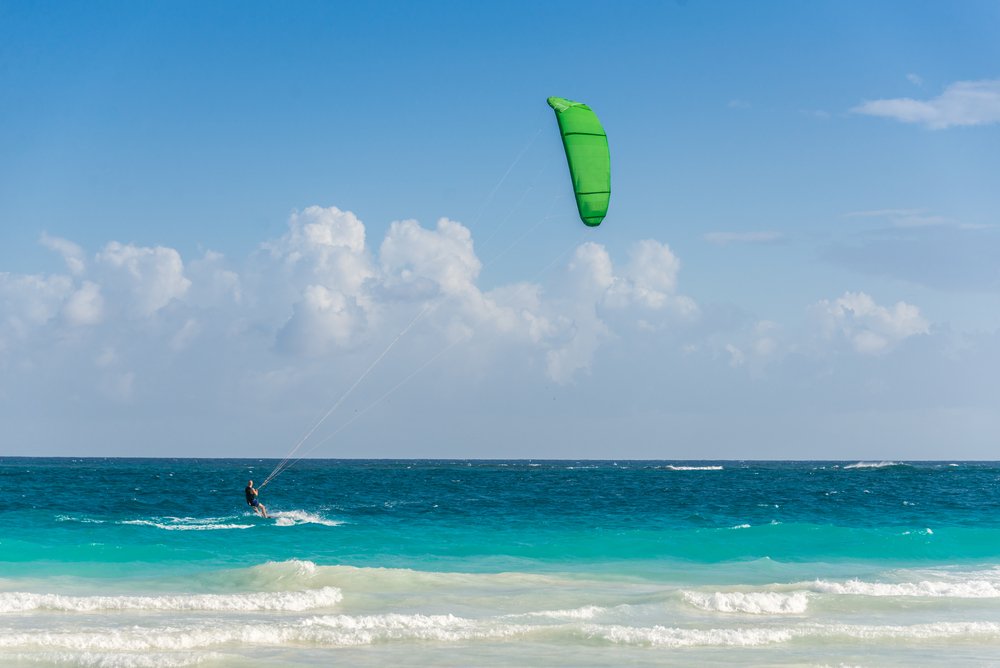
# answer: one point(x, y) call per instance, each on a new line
point(159, 562)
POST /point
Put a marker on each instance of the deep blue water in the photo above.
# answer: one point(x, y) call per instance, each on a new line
point(481, 514)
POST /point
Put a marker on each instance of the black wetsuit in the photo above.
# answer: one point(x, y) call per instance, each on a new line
point(251, 497)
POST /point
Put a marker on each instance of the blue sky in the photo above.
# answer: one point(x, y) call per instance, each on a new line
point(214, 217)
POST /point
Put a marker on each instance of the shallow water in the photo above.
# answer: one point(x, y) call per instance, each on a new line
point(158, 562)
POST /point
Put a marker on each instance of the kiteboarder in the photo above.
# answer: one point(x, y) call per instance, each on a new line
point(252, 501)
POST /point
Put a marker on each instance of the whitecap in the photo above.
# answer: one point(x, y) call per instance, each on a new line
point(752, 602)
point(664, 636)
point(584, 612)
point(287, 518)
point(873, 465)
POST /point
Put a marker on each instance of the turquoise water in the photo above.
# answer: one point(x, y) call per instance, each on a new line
point(160, 562)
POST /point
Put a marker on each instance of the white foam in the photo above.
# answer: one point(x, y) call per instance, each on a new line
point(188, 523)
point(671, 467)
point(662, 636)
point(295, 601)
point(322, 631)
point(926, 588)
point(584, 612)
point(740, 526)
point(118, 660)
point(287, 518)
point(873, 465)
point(753, 602)
point(82, 520)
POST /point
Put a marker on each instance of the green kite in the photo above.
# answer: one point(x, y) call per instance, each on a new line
point(589, 160)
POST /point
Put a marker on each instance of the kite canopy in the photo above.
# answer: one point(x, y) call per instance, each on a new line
point(589, 160)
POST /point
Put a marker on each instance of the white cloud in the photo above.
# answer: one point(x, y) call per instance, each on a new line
point(30, 301)
point(871, 329)
point(186, 335)
point(961, 103)
point(85, 306)
point(648, 280)
point(151, 276)
point(916, 218)
point(442, 257)
point(915, 79)
point(646, 284)
point(323, 318)
point(653, 270)
point(237, 348)
point(883, 213)
point(758, 237)
point(325, 246)
point(736, 356)
point(212, 282)
point(818, 114)
point(72, 254)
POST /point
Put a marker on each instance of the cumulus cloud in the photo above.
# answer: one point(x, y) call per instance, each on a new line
point(871, 329)
point(152, 276)
point(443, 257)
point(603, 295)
point(85, 306)
point(324, 245)
point(30, 301)
point(961, 103)
point(282, 331)
point(323, 318)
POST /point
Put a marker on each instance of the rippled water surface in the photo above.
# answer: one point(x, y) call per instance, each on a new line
point(158, 562)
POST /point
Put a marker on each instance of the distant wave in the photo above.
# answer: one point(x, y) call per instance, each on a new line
point(671, 467)
point(295, 601)
point(753, 602)
point(874, 465)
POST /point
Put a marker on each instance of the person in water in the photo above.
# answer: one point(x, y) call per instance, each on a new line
point(252, 501)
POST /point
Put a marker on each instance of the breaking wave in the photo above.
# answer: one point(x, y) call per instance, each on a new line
point(754, 603)
point(927, 588)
